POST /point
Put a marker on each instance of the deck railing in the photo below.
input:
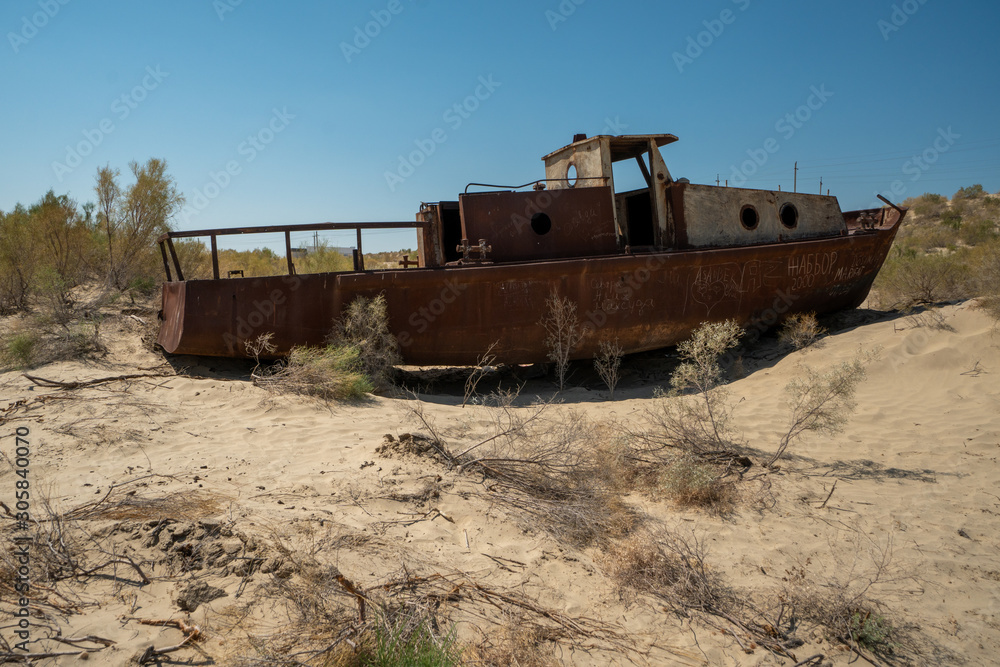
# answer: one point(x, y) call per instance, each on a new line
point(167, 245)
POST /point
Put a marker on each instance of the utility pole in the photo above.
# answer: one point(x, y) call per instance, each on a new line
point(795, 181)
point(717, 180)
point(821, 185)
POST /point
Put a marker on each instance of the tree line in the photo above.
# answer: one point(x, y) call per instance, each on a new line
point(55, 244)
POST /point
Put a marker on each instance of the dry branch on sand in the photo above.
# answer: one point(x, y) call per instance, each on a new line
point(547, 465)
point(339, 620)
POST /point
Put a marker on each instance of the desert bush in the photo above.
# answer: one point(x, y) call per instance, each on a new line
point(986, 267)
point(673, 568)
point(842, 599)
point(357, 360)
point(952, 219)
point(800, 330)
point(971, 192)
point(978, 231)
point(698, 423)
point(406, 639)
point(55, 331)
point(19, 350)
point(365, 328)
point(909, 277)
point(512, 641)
point(685, 446)
point(608, 363)
point(484, 364)
point(822, 402)
point(18, 261)
point(692, 481)
point(328, 373)
point(927, 204)
point(563, 333)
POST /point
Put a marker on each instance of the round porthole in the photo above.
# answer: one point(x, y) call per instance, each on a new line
point(749, 217)
point(541, 223)
point(571, 176)
point(789, 215)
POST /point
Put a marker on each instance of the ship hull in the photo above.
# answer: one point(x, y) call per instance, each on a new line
point(451, 315)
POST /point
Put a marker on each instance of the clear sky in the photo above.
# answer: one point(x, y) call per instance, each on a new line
point(305, 111)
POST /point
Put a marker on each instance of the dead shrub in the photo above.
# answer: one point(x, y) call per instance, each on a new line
point(674, 569)
point(38, 340)
point(543, 464)
point(842, 599)
point(800, 330)
point(691, 481)
point(513, 640)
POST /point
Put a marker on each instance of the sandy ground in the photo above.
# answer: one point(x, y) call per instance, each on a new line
point(220, 472)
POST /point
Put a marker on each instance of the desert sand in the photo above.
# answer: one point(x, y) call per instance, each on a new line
point(221, 472)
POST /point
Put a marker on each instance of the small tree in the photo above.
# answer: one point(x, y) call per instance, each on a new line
point(608, 364)
point(132, 219)
point(564, 333)
point(822, 401)
point(701, 372)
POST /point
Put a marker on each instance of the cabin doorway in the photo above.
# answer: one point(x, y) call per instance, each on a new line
point(451, 230)
point(634, 202)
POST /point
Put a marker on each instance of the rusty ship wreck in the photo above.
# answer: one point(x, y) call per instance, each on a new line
point(644, 267)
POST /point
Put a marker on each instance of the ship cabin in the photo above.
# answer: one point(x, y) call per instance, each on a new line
point(576, 211)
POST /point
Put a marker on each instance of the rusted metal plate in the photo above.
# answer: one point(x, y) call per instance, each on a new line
point(451, 315)
point(541, 224)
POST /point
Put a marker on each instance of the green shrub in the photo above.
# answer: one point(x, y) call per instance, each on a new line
point(20, 350)
point(365, 328)
point(909, 277)
point(972, 192)
point(873, 632)
point(406, 643)
point(690, 481)
point(330, 373)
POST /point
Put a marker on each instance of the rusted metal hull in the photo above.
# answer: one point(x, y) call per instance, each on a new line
point(451, 315)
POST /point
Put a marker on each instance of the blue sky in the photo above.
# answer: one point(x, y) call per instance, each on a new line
point(299, 111)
